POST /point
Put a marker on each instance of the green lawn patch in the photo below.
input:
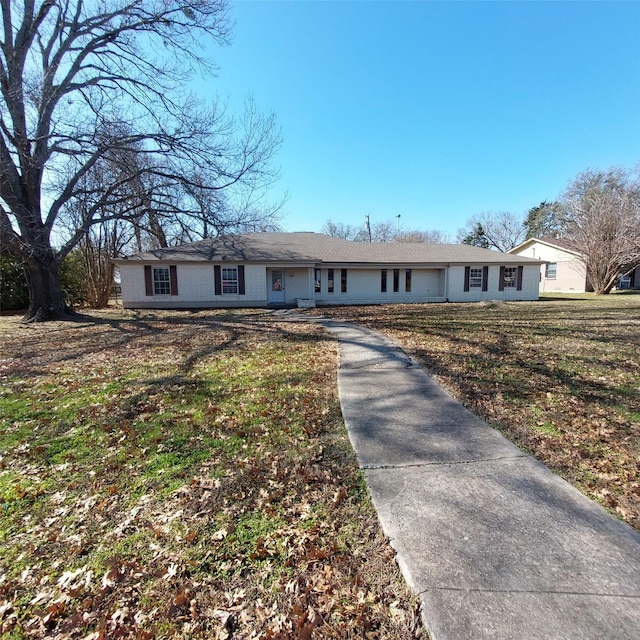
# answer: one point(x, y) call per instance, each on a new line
point(184, 475)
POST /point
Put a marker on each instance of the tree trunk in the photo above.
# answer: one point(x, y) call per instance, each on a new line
point(106, 284)
point(604, 285)
point(46, 300)
point(602, 275)
point(605, 289)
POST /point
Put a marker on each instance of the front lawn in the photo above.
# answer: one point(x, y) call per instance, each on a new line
point(184, 475)
point(559, 377)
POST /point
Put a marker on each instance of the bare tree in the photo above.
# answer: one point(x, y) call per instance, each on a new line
point(97, 248)
point(429, 237)
point(80, 82)
point(367, 232)
point(342, 230)
point(117, 224)
point(381, 232)
point(603, 224)
point(501, 230)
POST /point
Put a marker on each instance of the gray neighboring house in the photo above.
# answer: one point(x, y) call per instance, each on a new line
point(309, 269)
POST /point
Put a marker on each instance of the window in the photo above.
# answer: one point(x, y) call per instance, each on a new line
point(550, 271)
point(475, 277)
point(509, 278)
point(317, 281)
point(396, 280)
point(277, 280)
point(161, 281)
point(229, 280)
point(407, 280)
point(343, 280)
point(478, 278)
point(383, 280)
point(330, 280)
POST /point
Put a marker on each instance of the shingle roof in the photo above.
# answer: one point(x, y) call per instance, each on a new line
point(560, 243)
point(316, 248)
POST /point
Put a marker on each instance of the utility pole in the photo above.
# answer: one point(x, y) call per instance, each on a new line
point(398, 218)
point(367, 226)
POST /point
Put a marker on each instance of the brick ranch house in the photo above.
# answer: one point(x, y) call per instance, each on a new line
point(309, 269)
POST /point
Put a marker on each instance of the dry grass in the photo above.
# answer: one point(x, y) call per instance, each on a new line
point(184, 475)
point(559, 377)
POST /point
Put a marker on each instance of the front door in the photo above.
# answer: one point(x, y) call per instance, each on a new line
point(276, 290)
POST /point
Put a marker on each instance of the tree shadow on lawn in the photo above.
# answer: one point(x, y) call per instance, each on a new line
point(30, 349)
point(528, 378)
point(520, 352)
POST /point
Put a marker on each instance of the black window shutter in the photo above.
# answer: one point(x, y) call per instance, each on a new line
point(467, 275)
point(501, 283)
point(148, 282)
point(217, 279)
point(173, 279)
point(519, 280)
point(241, 289)
point(485, 278)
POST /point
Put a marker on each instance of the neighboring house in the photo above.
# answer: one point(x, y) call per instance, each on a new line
point(630, 281)
point(261, 269)
point(564, 271)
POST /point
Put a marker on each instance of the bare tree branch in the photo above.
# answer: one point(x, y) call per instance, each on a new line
point(86, 85)
point(603, 224)
point(499, 230)
point(382, 232)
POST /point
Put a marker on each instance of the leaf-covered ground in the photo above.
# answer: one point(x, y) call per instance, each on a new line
point(184, 475)
point(559, 377)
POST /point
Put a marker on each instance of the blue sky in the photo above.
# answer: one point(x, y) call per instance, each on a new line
point(435, 111)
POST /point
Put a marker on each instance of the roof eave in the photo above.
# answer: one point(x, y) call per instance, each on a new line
point(553, 245)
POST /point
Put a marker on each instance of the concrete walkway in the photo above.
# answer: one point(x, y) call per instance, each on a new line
point(495, 545)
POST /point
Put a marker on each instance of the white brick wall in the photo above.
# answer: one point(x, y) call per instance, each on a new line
point(196, 286)
point(456, 292)
point(296, 284)
point(363, 286)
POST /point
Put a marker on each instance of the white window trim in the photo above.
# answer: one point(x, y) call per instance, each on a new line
point(160, 282)
point(230, 286)
point(475, 281)
point(511, 284)
point(551, 274)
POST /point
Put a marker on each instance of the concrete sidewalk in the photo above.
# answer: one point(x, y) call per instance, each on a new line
point(495, 545)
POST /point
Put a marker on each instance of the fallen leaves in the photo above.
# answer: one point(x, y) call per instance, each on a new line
point(185, 475)
point(559, 378)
